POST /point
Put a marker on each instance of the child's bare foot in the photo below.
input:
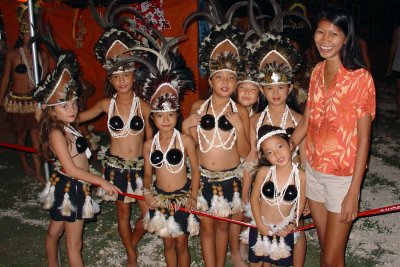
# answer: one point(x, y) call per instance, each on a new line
point(132, 260)
point(238, 261)
point(131, 264)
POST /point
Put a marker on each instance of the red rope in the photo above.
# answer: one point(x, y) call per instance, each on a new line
point(366, 213)
point(382, 210)
point(18, 147)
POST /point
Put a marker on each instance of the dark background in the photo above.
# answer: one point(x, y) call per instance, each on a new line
point(375, 18)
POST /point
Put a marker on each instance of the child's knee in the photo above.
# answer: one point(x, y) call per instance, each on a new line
point(74, 245)
point(223, 226)
point(54, 233)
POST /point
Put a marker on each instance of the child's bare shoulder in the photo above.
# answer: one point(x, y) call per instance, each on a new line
point(55, 133)
point(254, 118)
point(187, 139)
point(196, 105)
point(263, 170)
point(296, 115)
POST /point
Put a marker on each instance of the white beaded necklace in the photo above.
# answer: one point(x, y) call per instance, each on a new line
point(29, 70)
point(125, 131)
point(77, 134)
point(277, 200)
point(156, 144)
point(216, 133)
point(282, 125)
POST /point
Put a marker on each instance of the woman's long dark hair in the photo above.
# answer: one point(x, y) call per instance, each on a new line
point(350, 54)
point(19, 43)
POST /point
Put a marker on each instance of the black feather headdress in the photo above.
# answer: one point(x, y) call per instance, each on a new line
point(114, 45)
point(165, 90)
point(219, 51)
point(276, 59)
point(61, 84)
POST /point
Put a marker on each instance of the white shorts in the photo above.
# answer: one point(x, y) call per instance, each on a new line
point(327, 188)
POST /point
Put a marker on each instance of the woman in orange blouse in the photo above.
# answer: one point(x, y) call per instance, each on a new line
point(337, 122)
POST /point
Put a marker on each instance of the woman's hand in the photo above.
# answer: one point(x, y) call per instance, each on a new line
point(349, 208)
point(306, 210)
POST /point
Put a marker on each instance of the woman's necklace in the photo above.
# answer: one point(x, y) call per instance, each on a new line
point(125, 131)
point(216, 140)
point(164, 161)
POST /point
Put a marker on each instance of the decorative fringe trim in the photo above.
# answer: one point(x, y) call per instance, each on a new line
point(100, 192)
point(247, 211)
point(129, 190)
point(175, 200)
point(202, 203)
point(107, 197)
point(193, 226)
point(146, 221)
point(43, 195)
point(214, 205)
point(283, 249)
point(48, 197)
point(66, 207)
point(101, 154)
point(266, 246)
point(139, 186)
point(13, 105)
point(174, 230)
point(90, 208)
point(258, 247)
point(157, 222)
point(244, 236)
point(220, 206)
point(236, 204)
point(274, 252)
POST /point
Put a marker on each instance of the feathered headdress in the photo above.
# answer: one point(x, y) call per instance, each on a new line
point(114, 45)
point(276, 59)
point(219, 51)
point(248, 72)
point(60, 85)
point(165, 75)
point(165, 90)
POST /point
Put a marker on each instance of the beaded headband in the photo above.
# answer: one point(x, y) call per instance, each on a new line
point(268, 135)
